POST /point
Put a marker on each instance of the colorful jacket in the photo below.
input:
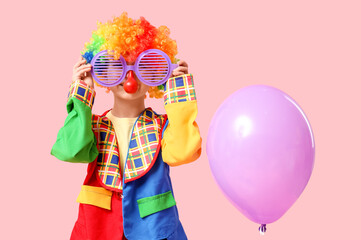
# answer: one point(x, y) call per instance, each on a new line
point(157, 142)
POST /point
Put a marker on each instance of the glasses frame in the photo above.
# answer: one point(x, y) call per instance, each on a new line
point(134, 68)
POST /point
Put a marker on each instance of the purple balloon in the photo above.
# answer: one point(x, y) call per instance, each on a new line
point(261, 151)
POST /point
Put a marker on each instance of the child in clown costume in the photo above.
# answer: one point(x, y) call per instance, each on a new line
point(127, 193)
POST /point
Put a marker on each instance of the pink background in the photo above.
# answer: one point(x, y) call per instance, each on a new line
point(310, 49)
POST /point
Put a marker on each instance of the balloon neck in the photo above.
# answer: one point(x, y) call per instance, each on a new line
point(262, 229)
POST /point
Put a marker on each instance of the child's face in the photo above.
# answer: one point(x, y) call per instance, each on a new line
point(119, 91)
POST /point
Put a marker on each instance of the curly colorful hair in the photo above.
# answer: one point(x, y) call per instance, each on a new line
point(128, 37)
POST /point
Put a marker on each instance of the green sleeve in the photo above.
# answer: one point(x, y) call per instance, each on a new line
point(76, 141)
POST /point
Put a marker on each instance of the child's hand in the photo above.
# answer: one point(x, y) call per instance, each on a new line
point(181, 69)
point(81, 71)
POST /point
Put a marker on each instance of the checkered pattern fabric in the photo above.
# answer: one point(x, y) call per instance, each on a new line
point(81, 91)
point(143, 148)
point(144, 145)
point(108, 158)
point(179, 89)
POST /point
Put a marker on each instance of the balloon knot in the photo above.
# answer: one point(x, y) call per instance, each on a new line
point(262, 229)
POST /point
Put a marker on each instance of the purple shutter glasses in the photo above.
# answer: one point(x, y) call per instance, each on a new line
point(152, 67)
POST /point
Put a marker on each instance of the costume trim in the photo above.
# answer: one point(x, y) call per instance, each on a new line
point(179, 89)
point(144, 145)
point(108, 159)
point(80, 90)
point(143, 149)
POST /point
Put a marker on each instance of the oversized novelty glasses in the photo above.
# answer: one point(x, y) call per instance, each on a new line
point(153, 67)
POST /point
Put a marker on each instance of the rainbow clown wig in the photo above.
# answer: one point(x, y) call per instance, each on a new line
point(128, 37)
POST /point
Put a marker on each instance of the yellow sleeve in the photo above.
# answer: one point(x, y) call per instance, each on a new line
point(181, 142)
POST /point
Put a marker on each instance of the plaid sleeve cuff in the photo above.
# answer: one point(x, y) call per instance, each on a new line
point(179, 89)
point(81, 91)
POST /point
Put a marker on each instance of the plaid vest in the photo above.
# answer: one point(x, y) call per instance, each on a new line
point(143, 149)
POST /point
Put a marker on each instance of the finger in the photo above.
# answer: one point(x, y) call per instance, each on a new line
point(88, 76)
point(183, 63)
point(87, 66)
point(181, 69)
point(180, 72)
point(79, 63)
point(176, 73)
point(82, 70)
point(81, 73)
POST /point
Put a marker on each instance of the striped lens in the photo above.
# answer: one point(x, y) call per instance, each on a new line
point(107, 71)
point(153, 67)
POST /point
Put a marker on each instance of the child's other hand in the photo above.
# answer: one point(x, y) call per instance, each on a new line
point(181, 69)
point(81, 71)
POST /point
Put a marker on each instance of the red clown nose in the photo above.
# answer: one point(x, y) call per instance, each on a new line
point(130, 85)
